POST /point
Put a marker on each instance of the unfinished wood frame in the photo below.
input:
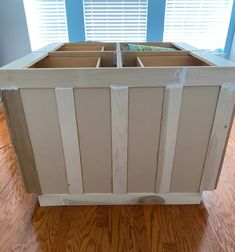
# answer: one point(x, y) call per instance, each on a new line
point(119, 111)
point(120, 199)
point(121, 134)
point(118, 56)
point(169, 127)
point(69, 134)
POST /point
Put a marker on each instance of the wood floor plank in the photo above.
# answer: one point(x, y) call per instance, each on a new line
point(208, 227)
point(4, 136)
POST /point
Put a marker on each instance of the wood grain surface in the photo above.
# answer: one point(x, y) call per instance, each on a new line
point(119, 115)
point(4, 136)
point(24, 226)
point(44, 131)
point(20, 137)
point(93, 111)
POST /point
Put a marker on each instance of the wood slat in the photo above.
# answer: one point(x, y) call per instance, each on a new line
point(94, 129)
point(51, 47)
point(118, 55)
point(92, 78)
point(170, 120)
point(44, 130)
point(139, 62)
point(69, 134)
point(102, 77)
point(145, 112)
point(26, 61)
point(211, 58)
point(21, 140)
point(219, 135)
point(120, 199)
point(119, 111)
point(196, 119)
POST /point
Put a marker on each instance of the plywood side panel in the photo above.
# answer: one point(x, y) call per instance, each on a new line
point(20, 139)
point(94, 129)
point(44, 130)
point(145, 111)
point(219, 136)
point(196, 119)
point(69, 134)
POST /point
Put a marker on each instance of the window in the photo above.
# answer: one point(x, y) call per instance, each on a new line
point(113, 20)
point(201, 23)
point(47, 22)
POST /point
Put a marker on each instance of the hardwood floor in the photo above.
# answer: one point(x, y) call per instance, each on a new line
point(24, 226)
point(4, 136)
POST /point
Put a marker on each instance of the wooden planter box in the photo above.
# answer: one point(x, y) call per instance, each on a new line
point(92, 123)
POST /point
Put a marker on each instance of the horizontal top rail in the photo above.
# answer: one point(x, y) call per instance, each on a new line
point(105, 77)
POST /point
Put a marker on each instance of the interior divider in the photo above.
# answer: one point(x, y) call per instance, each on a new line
point(119, 59)
point(139, 62)
point(98, 65)
point(118, 56)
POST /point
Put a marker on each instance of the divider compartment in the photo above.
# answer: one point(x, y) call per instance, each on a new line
point(158, 59)
point(88, 47)
point(81, 48)
point(77, 60)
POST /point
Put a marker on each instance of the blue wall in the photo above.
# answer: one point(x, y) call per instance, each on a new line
point(155, 20)
point(14, 37)
point(75, 20)
point(231, 33)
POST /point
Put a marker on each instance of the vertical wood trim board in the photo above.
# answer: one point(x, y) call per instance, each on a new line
point(170, 120)
point(119, 59)
point(69, 134)
point(118, 47)
point(119, 111)
point(20, 139)
point(44, 130)
point(145, 112)
point(220, 130)
point(195, 124)
point(118, 55)
point(93, 110)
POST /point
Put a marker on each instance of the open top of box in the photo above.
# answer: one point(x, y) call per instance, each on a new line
point(83, 59)
point(160, 59)
point(129, 46)
point(76, 60)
